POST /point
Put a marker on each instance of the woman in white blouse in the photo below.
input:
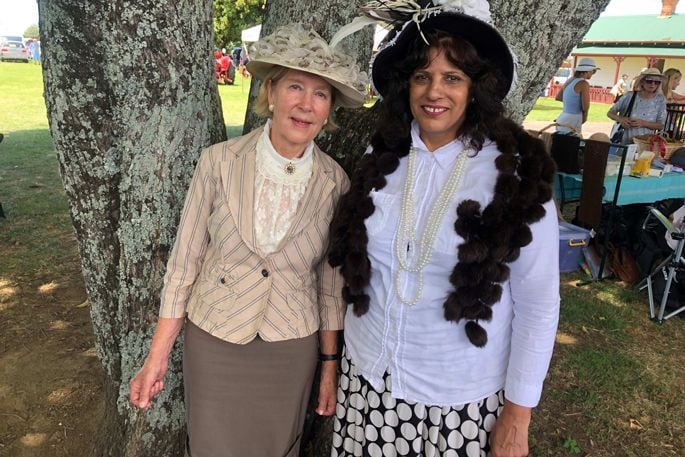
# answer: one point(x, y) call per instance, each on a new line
point(247, 274)
point(448, 243)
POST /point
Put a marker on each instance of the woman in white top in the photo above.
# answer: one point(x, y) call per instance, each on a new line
point(575, 96)
point(247, 274)
point(642, 111)
point(448, 243)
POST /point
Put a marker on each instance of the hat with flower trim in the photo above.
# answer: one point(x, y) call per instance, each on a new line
point(292, 46)
point(412, 19)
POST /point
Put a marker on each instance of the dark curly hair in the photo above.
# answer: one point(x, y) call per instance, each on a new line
point(492, 235)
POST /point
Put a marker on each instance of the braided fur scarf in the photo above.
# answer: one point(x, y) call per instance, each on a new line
point(493, 236)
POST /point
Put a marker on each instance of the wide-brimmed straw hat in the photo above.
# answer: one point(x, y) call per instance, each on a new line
point(292, 46)
point(586, 64)
point(411, 20)
point(652, 72)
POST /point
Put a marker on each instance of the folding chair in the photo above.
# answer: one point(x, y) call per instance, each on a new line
point(674, 263)
point(675, 121)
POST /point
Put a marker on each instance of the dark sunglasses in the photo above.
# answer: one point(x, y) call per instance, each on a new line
point(652, 81)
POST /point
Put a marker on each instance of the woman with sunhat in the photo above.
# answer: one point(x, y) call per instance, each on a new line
point(448, 244)
point(248, 275)
point(643, 111)
point(575, 96)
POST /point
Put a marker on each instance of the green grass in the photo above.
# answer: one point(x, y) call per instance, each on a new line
point(31, 193)
point(611, 365)
point(547, 109)
point(234, 104)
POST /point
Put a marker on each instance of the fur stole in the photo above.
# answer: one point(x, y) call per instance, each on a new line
point(493, 236)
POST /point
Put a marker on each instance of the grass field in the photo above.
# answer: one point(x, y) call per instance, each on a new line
point(234, 104)
point(616, 383)
point(547, 109)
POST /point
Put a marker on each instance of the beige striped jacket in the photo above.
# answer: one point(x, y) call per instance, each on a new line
point(215, 274)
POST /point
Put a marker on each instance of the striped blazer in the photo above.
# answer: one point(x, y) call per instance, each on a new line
point(215, 274)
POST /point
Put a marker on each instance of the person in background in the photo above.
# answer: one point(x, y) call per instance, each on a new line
point(448, 243)
point(226, 73)
point(672, 78)
point(575, 96)
point(217, 64)
point(248, 275)
point(649, 108)
point(35, 53)
point(620, 88)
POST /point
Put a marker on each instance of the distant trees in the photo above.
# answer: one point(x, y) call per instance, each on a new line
point(232, 16)
point(32, 32)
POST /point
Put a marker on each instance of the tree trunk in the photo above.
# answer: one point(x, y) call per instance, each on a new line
point(131, 100)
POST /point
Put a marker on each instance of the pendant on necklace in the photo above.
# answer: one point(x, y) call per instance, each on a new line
point(289, 169)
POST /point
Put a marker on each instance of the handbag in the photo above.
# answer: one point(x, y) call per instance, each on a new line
point(617, 131)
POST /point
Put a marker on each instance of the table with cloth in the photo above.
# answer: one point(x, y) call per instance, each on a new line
point(633, 190)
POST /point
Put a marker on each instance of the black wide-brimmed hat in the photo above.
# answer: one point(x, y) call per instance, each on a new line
point(412, 20)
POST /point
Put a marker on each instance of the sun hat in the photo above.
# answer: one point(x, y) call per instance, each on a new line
point(292, 46)
point(651, 72)
point(412, 19)
point(586, 64)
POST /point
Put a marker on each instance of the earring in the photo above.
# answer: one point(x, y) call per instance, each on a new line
point(271, 108)
point(325, 121)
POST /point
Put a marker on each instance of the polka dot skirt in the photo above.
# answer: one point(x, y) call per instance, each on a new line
point(368, 423)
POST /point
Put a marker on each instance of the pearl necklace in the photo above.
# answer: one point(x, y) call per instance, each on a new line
point(405, 239)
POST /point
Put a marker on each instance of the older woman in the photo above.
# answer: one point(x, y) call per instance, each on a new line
point(448, 242)
point(642, 111)
point(247, 274)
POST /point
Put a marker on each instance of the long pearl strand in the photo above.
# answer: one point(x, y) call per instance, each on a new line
point(405, 241)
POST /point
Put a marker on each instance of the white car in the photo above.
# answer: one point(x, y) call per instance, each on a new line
point(561, 75)
point(13, 50)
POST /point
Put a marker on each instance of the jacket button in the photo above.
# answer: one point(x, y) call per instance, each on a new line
point(265, 273)
point(223, 280)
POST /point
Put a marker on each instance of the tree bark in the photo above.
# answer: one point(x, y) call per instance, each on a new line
point(131, 100)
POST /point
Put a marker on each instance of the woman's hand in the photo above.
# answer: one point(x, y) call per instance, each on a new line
point(509, 437)
point(328, 387)
point(149, 381)
point(625, 122)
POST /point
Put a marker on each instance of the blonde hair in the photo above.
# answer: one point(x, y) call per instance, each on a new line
point(669, 75)
point(275, 74)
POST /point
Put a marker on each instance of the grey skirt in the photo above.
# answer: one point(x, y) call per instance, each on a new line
point(245, 400)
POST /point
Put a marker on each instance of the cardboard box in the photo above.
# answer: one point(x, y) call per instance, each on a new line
point(571, 240)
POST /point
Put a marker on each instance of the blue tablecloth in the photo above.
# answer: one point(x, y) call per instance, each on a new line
point(633, 190)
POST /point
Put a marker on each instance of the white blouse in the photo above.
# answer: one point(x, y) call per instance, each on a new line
point(430, 359)
point(280, 184)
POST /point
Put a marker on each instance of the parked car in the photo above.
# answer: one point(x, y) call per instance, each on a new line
point(562, 75)
point(13, 50)
point(4, 38)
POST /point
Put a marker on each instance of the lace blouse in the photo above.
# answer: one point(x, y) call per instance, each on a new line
point(280, 184)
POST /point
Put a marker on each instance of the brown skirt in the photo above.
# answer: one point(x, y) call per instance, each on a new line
point(246, 400)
